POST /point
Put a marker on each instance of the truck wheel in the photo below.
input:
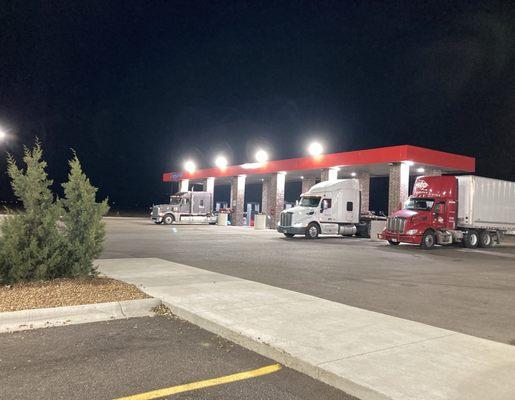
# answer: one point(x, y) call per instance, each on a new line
point(392, 243)
point(485, 240)
point(428, 240)
point(157, 222)
point(471, 239)
point(168, 219)
point(312, 231)
point(289, 235)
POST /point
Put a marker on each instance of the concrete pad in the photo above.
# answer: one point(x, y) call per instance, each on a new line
point(366, 354)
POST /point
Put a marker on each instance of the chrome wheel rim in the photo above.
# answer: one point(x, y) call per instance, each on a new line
point(429, 241)
point(313, 231)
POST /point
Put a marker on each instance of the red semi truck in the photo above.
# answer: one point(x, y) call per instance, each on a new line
point(472, 210)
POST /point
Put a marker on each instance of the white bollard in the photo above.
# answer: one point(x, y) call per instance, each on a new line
point(375, 228)
point(260, 221)
point(222, 219)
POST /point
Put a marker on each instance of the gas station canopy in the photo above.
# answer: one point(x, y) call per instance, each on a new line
point(374, 161)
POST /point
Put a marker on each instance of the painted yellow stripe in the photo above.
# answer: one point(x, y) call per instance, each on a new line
point(154, 394)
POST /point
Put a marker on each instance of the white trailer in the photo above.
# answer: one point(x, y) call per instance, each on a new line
point(485, 203)
point(330, 207)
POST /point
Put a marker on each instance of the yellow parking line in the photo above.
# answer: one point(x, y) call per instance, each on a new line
point(154, 394)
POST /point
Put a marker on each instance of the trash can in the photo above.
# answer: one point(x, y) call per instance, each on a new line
point(260, 221)
point(222, 219)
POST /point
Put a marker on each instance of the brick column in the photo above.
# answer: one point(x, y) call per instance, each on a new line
point(364, 186)
point(184, 185)
point(433, 172)
point(237, 199)
point(329, 174)
point(265, 190)
point(398, 186)
point(275, 198)
point(209, 186)
point(307, 183)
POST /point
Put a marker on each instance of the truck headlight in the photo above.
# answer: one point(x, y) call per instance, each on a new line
point(412, 232)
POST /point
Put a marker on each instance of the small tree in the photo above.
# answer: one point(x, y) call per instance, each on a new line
point(84, 228)
point(31, 246)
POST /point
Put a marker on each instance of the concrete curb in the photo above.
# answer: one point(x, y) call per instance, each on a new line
point(57, 316)
point(267, 350)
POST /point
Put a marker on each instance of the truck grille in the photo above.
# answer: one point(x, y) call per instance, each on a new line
point(286, 219)
point(396, 224)
point(155, 211)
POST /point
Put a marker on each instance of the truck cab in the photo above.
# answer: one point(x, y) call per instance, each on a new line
point(184, 206)
point(330, 207)
point(472, 210)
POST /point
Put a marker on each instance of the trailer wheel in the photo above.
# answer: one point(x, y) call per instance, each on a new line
point(312, 231)
point(428, 240)
point(471, 239)
point(485, 239)
point(289, 235)
point(168, 219)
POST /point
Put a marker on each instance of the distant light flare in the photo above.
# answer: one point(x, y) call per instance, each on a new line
point(315, 149)
point(261, 156)
point(221, 162)
point(190, 166)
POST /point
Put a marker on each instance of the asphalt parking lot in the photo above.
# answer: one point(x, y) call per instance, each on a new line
point(110, 360)
point(469, 291)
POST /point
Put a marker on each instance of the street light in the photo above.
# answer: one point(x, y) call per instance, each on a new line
point(221, 162)
point(261, 156)
point(189, 166)
point(315, 149)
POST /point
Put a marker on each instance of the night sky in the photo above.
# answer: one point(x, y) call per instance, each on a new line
point(137, 87)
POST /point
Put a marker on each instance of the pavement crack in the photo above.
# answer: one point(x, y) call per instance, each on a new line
point(388, 348)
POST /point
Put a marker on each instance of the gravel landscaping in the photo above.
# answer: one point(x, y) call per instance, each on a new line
point(66, 292)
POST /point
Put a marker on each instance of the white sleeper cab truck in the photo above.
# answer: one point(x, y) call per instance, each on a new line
point(186, 207)
point(330, 207)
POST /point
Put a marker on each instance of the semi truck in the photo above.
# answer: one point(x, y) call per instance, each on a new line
point(330, 207)
point(186, 207)
point(471, 210)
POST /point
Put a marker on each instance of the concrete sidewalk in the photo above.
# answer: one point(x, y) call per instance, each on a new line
point(366, 354)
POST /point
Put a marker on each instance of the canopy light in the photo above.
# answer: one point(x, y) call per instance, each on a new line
point(421, 170)
point(189, 166)
point(221, 162)
point(315, 149)
point(352, 174)
point(261, 156)
point(409, 163)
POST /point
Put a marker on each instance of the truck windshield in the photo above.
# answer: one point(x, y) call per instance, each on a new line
point(419, 204)
point(309, 201)
point(175, 200)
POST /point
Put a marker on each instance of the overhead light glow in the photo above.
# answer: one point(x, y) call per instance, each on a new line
point(409, 163)
point(3, 134)
point(421, 170)
point(190, 166)
point(221, 162)
point(301, 177)
point(315, 149)
point(261, 156)
point(352, 174)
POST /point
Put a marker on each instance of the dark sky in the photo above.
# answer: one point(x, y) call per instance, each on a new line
point(136, 87)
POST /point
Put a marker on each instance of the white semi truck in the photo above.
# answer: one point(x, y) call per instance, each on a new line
point(330, 207)
point(186, 207)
